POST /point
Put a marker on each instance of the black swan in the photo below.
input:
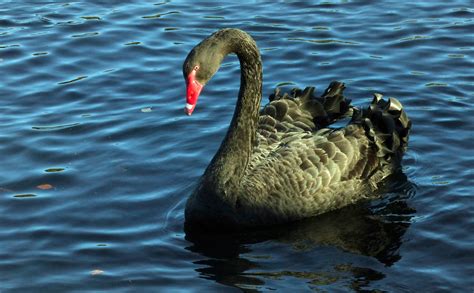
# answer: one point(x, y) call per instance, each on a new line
point(282, 163)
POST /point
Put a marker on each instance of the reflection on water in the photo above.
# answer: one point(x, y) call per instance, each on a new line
point(373, 229)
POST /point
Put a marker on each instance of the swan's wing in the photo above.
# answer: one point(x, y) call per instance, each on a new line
point(308, 174)
point(306, 171)
point(289, 124)
point(375, 137)
point(302, 111)
point(306, 163)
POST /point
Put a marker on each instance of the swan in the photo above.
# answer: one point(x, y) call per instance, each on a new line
point(283, 162)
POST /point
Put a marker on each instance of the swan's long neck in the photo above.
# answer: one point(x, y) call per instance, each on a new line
point(230, 162)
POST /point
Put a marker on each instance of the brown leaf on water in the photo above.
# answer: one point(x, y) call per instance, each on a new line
point(96, 272)
point(44, 186)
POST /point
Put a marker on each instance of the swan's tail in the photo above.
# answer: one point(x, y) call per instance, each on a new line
point(386, 124)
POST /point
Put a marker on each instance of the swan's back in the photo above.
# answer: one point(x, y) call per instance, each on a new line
point(301, 168)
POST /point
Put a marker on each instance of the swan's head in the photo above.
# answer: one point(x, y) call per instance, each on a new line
point(201, 64)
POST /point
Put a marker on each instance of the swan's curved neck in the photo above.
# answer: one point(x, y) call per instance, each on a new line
point(230, 162)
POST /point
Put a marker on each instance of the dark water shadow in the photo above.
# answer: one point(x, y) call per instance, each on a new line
point(373, 229)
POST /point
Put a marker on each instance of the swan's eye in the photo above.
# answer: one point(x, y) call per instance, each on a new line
point(196, 67)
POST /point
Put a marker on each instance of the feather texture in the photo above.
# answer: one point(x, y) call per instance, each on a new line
point(304, 168)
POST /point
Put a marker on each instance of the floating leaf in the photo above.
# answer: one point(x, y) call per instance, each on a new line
point(96, 272)
point(44, 186)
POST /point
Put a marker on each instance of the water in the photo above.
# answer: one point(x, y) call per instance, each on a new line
point(98, 157)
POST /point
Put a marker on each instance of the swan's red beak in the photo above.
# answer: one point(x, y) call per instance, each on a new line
point(193, 89)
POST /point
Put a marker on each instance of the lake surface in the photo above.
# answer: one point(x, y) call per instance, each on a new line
point(98, 158)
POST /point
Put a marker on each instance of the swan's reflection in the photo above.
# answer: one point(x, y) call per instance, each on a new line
point(372, 230)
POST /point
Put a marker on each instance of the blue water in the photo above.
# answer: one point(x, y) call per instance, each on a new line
point(98, 158)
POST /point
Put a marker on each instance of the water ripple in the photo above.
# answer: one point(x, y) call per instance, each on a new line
point(98, 160)
point(55, 127)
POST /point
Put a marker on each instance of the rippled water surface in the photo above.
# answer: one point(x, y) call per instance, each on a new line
point(98, 157)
